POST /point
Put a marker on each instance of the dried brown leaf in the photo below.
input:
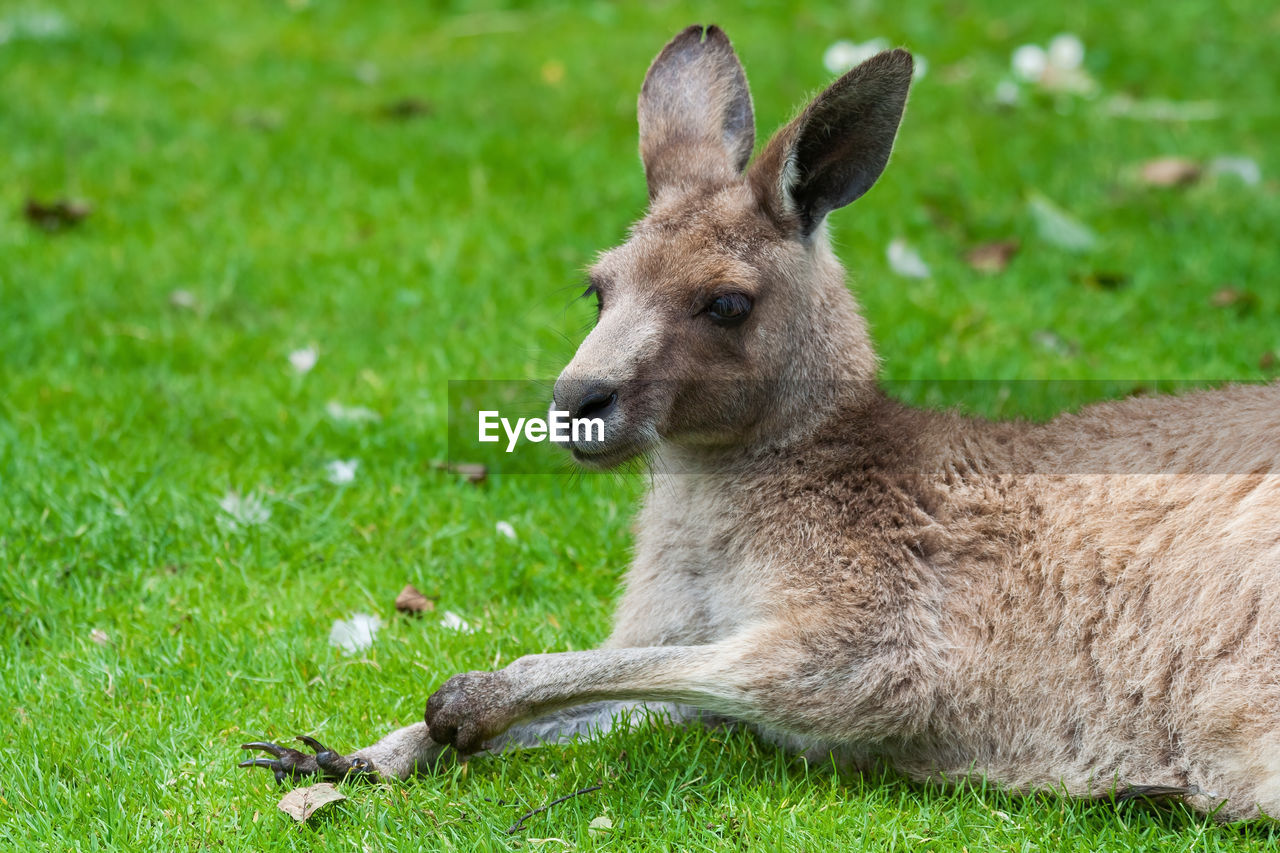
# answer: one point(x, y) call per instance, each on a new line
point(411, 601)
point(301, 803)
point(1233, 297)
point(474, 472)
point(992, 257)
point(1104, 279)
point(56, 215)
point(403, 109)
point(1170, 172)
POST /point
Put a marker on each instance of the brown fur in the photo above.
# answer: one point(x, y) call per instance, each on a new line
point(1090, 605)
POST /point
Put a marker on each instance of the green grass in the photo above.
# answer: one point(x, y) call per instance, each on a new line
point(241, 152)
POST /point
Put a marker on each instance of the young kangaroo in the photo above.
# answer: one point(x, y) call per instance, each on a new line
point(1089, 605)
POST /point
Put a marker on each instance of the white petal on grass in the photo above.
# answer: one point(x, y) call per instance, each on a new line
point(906, 261)
point(100, 637)
point(356, 634)
point(844, 54)
point(1244, 168)
point(342, 471)
point(1029, 62)
point(505, 529)
point(351, 414)
point(1060, 228)
point(1162, 109)
point(454, 622)
point(304, 359)
point(1007, 93)
point(1066, 52)
point(241, 511)
point(34, 25)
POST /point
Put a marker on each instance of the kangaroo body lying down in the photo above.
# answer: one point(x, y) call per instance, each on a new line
point(1089, 605)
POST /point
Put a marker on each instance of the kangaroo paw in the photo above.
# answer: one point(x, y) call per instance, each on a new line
point(293, 765)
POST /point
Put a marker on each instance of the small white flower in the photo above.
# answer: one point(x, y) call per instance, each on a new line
point(1058, 69)
point(1066, 52)
point(906, 261)
point(342, 471)
point(243, 510)
point(844, 54)
point(304, 359)
point(355, 634)
point(1029, 62)
point(454, 622)
point(505, 528)
point(351, 414)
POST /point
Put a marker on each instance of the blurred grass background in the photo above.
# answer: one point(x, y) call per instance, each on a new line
point(413, 190)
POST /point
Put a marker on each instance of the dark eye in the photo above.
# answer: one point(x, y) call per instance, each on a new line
point(593, 289)
point(729, 309)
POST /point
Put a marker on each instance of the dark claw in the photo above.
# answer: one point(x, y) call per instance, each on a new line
point(293, 765)
point(277, 751)
point(316, 746)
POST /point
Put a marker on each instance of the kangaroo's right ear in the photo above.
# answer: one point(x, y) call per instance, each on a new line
point(696, 121)
point(838, 146)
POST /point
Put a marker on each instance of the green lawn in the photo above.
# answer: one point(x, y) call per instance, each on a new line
point(414, 192)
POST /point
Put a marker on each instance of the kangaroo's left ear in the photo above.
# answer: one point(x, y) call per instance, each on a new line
point(838, 146)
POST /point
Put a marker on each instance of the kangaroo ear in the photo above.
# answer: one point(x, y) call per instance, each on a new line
point(696, 122)
point(839, 145)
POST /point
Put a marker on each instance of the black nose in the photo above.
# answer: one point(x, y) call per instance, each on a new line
point(596, 404)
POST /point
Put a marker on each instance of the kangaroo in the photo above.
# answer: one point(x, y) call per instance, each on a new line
point(1089, 605)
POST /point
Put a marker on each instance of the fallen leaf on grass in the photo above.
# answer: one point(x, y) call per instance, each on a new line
point(1244, 168)
point(1052, 342)
point(403, 109)
point(351, 414)
point(1170, 172)
point(1161, 109)
point(600, 825)
point(1231, 297)
point(57, 215)
point(474, 472)
point(411, 601)
point(454, 622)
point(303, 360)
point(992, 257)
point(355, 634)
point(906, 261)
point(184, 300)
point(301, 803)
point(342, 471)
point(243, 511)
point(1104, 280)
point(100, 637)
point(1060, 228)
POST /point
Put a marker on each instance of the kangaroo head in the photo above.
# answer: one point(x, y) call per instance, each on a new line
point(724, 318)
